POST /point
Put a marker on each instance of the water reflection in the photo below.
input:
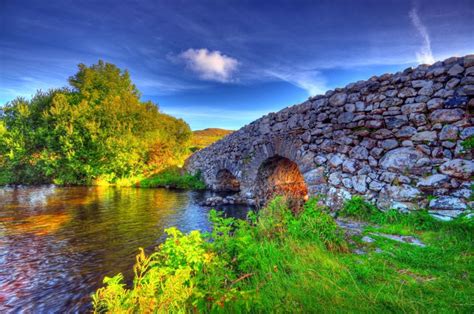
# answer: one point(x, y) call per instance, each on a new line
point(56, 244)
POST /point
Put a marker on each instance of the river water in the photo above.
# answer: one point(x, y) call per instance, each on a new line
point(58, 243)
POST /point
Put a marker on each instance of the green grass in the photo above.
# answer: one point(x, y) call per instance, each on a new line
point(278, 261)
point(173, 178)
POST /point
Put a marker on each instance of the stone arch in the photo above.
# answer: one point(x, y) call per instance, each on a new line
point(226, 181)
point(279, 175)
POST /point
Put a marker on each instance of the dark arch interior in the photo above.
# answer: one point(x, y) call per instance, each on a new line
point(280, 176)
point(226, 181)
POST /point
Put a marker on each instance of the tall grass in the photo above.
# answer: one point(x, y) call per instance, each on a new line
point(278, 261)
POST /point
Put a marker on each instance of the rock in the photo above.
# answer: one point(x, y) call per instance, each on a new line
point(376, 185)
point(319, 160)
point(396, 122)
point(374, 124)
point(389, 144)
point(421, 83)
point(367, 239)
point(467, 132)
point(411, 108)
point(406, 131)
point(407, 92)
point(446, 115)
point(359, 183)
point(315, 176)
point(336, 160)
point(468, 90)
point(359, 152)
point(449, 132)
point(402, 192)
point(435, 103)
point(338, 99)
point(452, 83)
point(458, 168)
point(349, 107)
point(335, 178)
point(401, 238)
point(345, 117)
point(349, 166)
point(447, 203)
point(426, 91)
point(400, 159)
point(455, 70)
point(428, 136)
point(469, 61)
point(456, 102)
point(433, 181)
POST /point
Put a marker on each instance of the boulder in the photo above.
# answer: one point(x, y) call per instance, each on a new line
point(401, 159)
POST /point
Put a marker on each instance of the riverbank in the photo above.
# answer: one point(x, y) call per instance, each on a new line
point(368, 261)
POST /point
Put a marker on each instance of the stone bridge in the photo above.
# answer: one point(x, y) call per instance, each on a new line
point(395, 139)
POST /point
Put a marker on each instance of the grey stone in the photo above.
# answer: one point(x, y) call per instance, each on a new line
point(435, 103)
point(411, 108)
point(359, 152)
point(425, 136)
point(447, 203)
point(349, 107)
point(406, 131)
point(396, 121)
point(467, 132)
point(452, 83)
point(389, 144)
point(407, 92)
point(376, 185)
point(336, 160)
point(432, 181)
point(349, 166)
point(458, 168)
point(400, 159)
point(446, 115)
point(449, 132)
point(469, 61)
point(359, 183)
point(455, 70)
point(345, 117)
point(338, 99)
point(421, 83)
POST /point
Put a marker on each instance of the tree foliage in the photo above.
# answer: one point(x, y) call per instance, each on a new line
point(98, 127)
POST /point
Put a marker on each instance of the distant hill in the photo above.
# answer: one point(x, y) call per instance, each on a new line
point(203, 138)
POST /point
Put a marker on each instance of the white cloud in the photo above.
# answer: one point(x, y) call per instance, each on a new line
point(424, 55)
point(311, 81)
point(210, 65)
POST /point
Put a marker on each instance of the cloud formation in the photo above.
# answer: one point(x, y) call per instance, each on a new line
point(210, 65)
point(311, 81)
point(425, 55)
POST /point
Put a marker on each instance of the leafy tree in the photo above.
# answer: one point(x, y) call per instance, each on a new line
point(98, 128)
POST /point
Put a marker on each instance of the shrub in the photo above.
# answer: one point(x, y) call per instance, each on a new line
point(172, 177)
point(357, 207)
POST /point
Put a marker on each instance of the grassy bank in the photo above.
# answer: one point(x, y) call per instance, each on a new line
point(303, 263)
point(173, 178)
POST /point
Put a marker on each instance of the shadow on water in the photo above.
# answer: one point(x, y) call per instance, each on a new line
point(57, 244)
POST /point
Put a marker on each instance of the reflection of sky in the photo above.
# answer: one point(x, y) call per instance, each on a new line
point(57, 244)
point(225, 63)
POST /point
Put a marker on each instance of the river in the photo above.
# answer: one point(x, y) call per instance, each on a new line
point(58, 243)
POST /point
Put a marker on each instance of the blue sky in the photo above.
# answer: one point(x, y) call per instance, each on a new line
point(225, 63)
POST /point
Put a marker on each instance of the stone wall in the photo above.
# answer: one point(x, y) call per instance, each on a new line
point(395, 138)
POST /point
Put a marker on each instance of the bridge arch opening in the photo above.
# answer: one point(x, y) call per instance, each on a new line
point(280, 176)
point(226, 181)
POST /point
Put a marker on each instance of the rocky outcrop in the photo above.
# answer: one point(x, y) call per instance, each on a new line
point(395, 138)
